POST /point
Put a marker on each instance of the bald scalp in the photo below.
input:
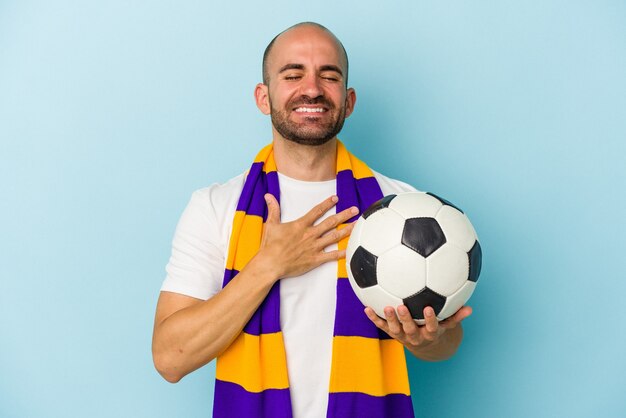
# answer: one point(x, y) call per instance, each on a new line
point(270, 46)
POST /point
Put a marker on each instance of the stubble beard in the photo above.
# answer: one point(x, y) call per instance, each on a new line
point(312, 132)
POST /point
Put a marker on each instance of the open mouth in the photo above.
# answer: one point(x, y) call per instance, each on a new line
point(309, 110)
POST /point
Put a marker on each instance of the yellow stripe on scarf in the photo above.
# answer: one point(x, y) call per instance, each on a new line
point(240, 252)
point(260, 362)
point(347, 161)
point(362, 367)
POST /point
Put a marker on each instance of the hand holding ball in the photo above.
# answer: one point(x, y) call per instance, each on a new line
point(414, 249)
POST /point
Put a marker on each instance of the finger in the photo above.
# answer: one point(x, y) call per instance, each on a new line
point(319, 210)
point(455, 319)
point(273, 209)
point(408, 323)
point(335, 236)
point(332, 221)
point(431, 325)
point(325, 257)
point(463, 313)
point(377, 320)
point(395, 327)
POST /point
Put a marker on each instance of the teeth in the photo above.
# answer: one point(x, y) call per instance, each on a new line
point(310, 110)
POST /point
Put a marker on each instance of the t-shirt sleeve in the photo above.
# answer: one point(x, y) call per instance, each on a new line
point(392, 186)
point(196, 265)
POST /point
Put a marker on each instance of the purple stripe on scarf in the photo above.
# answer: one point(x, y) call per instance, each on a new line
point(228, 276)
point(272, 186)
point(256, 204)
point(362, 192)
point(346, 191)
point(252, 200)
point(249, 186)
point(369, 192)
point(233, 401)
point(350, 320)
point(266, 319)
point(355, 404)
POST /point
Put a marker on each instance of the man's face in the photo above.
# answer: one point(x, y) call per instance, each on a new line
point(307, 95)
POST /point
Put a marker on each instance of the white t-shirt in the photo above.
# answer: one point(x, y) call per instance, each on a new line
point(307, 302)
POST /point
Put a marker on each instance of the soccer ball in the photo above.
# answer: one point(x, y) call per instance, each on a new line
point(415, 249)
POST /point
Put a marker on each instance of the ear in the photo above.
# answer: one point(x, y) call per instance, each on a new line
point(261, 98)
point(350, 101)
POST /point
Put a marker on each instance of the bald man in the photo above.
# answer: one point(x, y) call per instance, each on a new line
point(305, 92)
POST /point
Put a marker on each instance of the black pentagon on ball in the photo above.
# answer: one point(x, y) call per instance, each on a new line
point(475, 262)
point(423, 235)
point(378, 205)
point(425, 297)
point(444, 201)
point(363, 267)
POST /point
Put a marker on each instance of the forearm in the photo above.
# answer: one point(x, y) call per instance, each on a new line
point(192, 337)
point(446, 345)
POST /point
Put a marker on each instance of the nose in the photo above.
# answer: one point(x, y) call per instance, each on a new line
point(311, 86)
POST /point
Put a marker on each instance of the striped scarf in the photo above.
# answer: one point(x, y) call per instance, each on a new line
point(368, 371)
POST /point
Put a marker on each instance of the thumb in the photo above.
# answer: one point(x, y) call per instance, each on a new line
point(273, 209)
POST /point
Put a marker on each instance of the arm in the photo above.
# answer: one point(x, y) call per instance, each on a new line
point(189, 333)
point(433, 341)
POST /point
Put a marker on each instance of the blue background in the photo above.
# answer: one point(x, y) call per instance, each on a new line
point(112, 113)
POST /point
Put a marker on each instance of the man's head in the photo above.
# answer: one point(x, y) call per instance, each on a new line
point(304, 87)
point(268, 49)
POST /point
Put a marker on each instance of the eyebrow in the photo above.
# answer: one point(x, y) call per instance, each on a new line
point(328, 67)
point(332, 68)
point(291, 67)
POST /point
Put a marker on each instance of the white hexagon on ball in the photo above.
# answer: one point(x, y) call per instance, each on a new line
point(401, 271)
point(415, 204)
point(456, 227)
point(457, 300)
point(381, 231)
point(377, 298)
point(447, 269)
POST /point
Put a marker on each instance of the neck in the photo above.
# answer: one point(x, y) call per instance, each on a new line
point(306, 162)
